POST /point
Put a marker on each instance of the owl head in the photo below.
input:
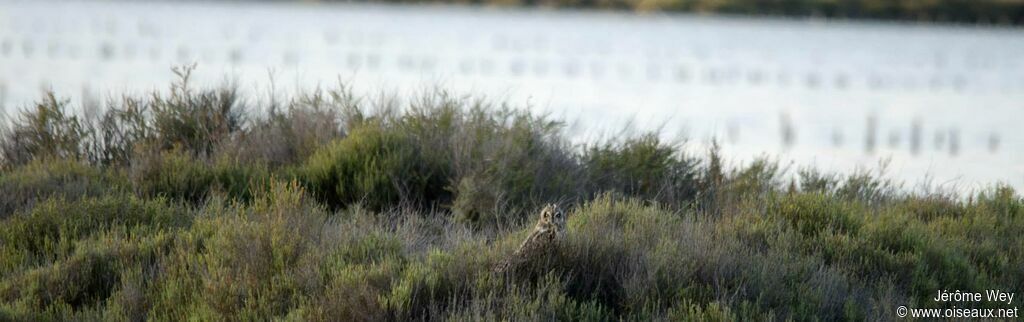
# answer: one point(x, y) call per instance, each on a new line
point(554, 215)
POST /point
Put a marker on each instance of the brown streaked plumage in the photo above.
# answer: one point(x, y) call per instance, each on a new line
point(549, 230)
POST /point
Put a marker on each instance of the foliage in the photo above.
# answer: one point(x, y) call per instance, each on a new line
point(48, 130)
point(642, 166)
point(400, 213)
point(23, 187)
point(373, 166)
point(176, 175)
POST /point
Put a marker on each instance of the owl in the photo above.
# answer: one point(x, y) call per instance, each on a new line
point(550, 230)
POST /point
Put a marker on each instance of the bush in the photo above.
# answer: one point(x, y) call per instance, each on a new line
point(115, 134)
point(507, 162)
point(99, 280)
point(546, 300)
point(499, 162)
point(289, 136)
point(478, 200)
point(38, 181)
point(52, 229)
point(376, 167)
point(177, 175)
point(46, 131)
point(244, 261)
point(83, 280)
point(194, 121)
point(354, 294)
point(642, 166)
point(1003, 201)
point(813, 214)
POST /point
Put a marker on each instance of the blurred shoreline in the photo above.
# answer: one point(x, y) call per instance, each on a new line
point(941, 12)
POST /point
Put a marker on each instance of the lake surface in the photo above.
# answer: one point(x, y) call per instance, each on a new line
point(940, 104)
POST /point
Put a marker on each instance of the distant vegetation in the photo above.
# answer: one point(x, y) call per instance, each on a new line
point(197, 204)
point(969, 11)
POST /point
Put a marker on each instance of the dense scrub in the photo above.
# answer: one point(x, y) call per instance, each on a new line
point(333, 208)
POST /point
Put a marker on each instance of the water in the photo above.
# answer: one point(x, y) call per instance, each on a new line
point(935, 102)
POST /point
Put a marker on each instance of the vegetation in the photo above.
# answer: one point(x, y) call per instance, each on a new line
point(964, 11)
point(191, 205)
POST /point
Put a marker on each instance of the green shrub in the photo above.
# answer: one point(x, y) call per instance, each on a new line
point(867, 188)
point(370, 248)
point(114, 135)
point(642, 166)
point(928, 208)
point(689, 311)
point(376, 167)
point(812, 214)
point(81, 285)
point(1002, 200)
point(757, 180)
point(728, 190)
point(178, 175)
point(506, 162)
point(23, 187)
point(478, 200)
point(353, 294)
point(46, 131)
point(545, 300)
point(194, 121)
point(814, 181)
point(83, 280)
point(239, 260)
point(53, 228)
point(498, 161)
point(289, 135)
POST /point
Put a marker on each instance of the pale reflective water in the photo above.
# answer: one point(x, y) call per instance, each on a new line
point(938, 102)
